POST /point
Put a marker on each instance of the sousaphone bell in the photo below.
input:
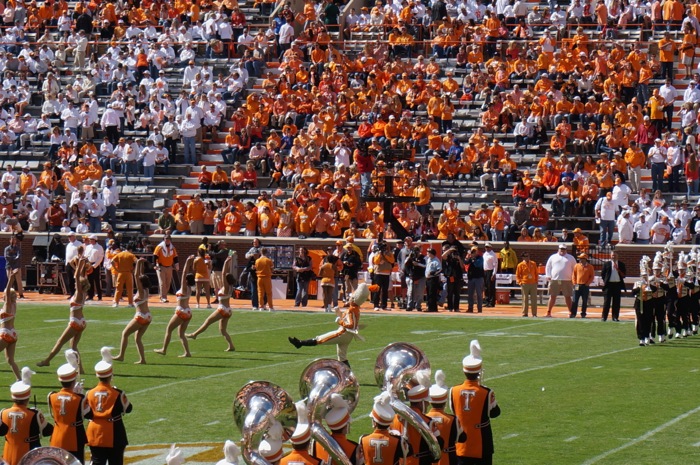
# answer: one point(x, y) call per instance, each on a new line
point(397, 364)
point(258, 407)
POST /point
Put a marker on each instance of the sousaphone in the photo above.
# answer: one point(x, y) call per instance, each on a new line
point(396, 366)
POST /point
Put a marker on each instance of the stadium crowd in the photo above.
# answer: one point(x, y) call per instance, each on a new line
point(325, 126)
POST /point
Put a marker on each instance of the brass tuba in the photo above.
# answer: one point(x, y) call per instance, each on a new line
point(258, 407)
point(319, 380)
point(396, 366)
point(48, 455)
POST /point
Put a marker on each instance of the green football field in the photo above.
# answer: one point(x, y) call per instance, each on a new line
point(571, 391)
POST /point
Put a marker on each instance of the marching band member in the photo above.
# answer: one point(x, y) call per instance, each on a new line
point(684, 286)
point(417, 397)
point(382, 446)
point(643, 307)
point(338, 421)
point(301, 440)
point(659, 287)
point(22, 426)
point(446, 424)
point(69, 407)
point(474, 405)
point(348, 321)
point(106, 432)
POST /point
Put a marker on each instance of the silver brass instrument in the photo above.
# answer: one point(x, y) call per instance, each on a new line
point(48, 456)
point(319, 380)
point(258, 407)
point(395, 368)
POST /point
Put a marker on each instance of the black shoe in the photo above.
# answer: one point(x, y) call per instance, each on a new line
point(295, 342)
point(603, 320)
point(616, 319)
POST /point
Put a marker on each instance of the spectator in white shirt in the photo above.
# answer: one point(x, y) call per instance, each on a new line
point(559, 271)
point(642, 228)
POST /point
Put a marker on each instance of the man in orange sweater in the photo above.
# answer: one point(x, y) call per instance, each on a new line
point(582, 279)
point(263, 268)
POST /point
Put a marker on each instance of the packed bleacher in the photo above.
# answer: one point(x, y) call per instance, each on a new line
point(270, 120)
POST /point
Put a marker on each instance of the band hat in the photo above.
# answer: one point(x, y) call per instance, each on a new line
point(270, 449)
point(417, 393)
point(472, 362)
point(103, 368)
point(20, 390)
point(339, 413)
point(69, 371)
point(382, 413)
point(438, 391)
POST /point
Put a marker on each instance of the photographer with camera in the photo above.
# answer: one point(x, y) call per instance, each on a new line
point(475, 275)
point(452, 266)
point(414, 271)
point(382, 261)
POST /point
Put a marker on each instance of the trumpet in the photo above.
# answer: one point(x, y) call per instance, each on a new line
point(259, 407)
point(319, 380)
point(396, 366)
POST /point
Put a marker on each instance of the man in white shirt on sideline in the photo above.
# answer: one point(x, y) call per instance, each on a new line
point(95, 254)
point(71, 253)
point(490, 269)
point(559, 271)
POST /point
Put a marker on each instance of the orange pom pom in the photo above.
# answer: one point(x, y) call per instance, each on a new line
point(374, 288)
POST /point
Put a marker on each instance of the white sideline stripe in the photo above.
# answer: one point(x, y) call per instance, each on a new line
point(643, 437)
point(554, 365)
point(646, 369)
point(291, 362)
point(212, 423)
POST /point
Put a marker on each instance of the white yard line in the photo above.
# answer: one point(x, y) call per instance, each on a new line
point(643, 437)
point(558, 364)
point(291, 362)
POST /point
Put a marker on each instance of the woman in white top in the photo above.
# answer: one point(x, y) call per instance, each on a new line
point(182, 316)
point(76, 323)
point(222, 314)
point(142, 319)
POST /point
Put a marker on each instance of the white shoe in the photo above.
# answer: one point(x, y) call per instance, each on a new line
point(208, 305)
point(376, 309)
point(196, 306)
point(684, 333)
point(255, 309)
point(646, 341)
point(661, 338)
point(115, 305)
point(678, 336)
point(641, 342)
point(335, 309)
point(669, 333)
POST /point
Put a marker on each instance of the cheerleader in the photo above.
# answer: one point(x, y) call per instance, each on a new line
point(222, 314)
point(76, 323)
point(182, 316)
point(139, 324)
point(8, 335)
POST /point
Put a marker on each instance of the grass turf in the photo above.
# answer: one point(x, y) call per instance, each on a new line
point(571, 391)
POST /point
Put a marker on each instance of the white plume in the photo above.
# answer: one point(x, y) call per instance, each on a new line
point(440, 378)
point(383, 399)
point(302, 412)
point(337, 401)
point(231, 451)
point(175, 456)
point(475, 349)
point(73, 358)
point(106, 353)
point(27, 375)
point(275, 432)
point(422, 377)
